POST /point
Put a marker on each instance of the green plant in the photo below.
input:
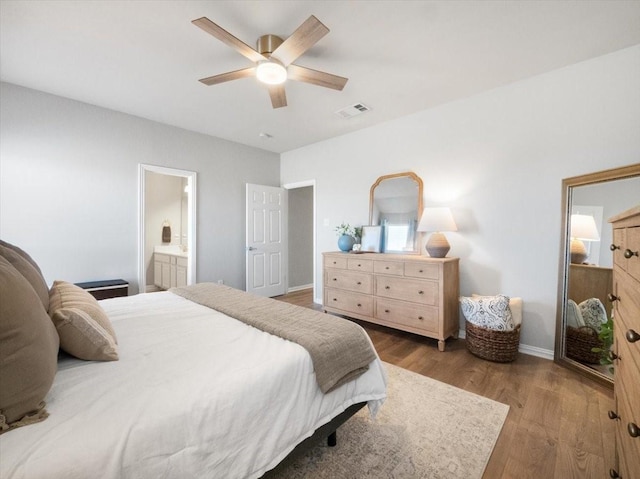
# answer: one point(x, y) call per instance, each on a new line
point(606, 336)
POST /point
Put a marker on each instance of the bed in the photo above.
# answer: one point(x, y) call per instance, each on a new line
point(195, 393)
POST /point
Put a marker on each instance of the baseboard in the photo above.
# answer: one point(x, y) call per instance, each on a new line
point(523, 348)
point(300, 288)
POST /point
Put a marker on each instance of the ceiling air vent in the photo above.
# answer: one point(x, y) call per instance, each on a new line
point(353, 110)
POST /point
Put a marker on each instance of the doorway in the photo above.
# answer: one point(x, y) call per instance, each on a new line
point(302, 236)
point(167, 225)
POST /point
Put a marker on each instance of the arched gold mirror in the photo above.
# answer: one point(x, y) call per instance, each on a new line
point(395, 203)
point(585, 273)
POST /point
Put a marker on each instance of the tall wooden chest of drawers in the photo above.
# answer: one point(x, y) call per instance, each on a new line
point(409, 292)
point(626, 291)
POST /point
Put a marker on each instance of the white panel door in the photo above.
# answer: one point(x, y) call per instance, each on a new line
point(266, 237)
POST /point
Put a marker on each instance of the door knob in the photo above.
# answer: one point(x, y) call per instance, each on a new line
point(613, 415)
point(628, 253)
point(632, 336)
point(633, 430)
point(251, 248)
point(612, 297)
point(613, 247)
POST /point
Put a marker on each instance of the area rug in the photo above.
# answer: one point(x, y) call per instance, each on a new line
point(425, 429)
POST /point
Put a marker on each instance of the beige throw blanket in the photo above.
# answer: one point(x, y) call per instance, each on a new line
point(339, 349)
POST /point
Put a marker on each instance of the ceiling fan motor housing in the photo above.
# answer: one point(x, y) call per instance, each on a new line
point(267, 44)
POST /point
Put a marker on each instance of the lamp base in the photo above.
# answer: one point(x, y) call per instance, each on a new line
point(578, 251)
point(438, 246)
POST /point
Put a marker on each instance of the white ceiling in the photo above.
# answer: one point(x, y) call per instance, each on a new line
point(145, 57)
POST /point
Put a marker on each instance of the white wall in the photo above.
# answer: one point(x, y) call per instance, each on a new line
point(497, 159)
point(69, 187)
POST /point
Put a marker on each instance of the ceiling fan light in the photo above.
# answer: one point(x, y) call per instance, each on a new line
point(271, 73)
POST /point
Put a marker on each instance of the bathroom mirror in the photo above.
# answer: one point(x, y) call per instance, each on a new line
point(395, 203)
point(588, 279)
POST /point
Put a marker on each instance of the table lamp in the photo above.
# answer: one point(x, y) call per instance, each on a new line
point(583, 228)
point(437, 220)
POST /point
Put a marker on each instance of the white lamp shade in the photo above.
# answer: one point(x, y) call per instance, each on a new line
point(583, 227)
point(437, 219)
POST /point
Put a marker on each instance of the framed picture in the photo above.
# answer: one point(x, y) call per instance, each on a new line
point(371, 236)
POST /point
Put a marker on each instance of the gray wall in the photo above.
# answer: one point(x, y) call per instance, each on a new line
point(300, 237)
point(69, 187)
point(497, 159)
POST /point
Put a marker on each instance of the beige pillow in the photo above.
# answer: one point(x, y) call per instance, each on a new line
point(29, 352)
point(28, 268)
point(84, 328)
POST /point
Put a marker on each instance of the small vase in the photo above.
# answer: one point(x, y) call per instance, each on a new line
point(346, 242)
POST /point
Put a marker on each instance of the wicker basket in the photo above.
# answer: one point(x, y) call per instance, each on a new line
point(580, 341)
point(498, 346)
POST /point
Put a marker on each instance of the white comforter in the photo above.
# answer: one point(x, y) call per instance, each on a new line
point(194, 394)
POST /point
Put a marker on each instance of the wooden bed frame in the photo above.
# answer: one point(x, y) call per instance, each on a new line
point(328, 430)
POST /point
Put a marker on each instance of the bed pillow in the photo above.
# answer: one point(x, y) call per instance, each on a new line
point(28, 268)
point(29, 352)
point(84, 328)
point(574, 315)
point(593, 313)
point(490, 312)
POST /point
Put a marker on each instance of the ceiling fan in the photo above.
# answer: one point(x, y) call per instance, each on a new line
point(274, 59)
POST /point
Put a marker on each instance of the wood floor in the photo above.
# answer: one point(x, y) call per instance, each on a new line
point(557, 427)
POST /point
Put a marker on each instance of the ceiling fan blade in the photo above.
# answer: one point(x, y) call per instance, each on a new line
point(278, 96)
point(305, 36)
point(315, 77)
point(224, 77)
point(225, 37)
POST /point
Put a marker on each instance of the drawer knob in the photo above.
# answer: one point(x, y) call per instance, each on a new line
point(335, 299)
point(387, 287)
point(359, 305)
point(628, 253)
point(359, 265)
point(359, 282)
point(335, 279)
point(335, 262)
point(633, 430)
point(386, 310)
point(386, 267)
point(632, 336)
point(612, 415)
point(613, 247)
point(420, 318)
point(613, 356)
point(613, 474)
point(612, 297)
point(420, 292)
point(420, 271)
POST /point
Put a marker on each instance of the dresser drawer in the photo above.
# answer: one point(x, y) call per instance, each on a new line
point(356, 264)
point(627, 445)
point(349, 280)
point(628, 305)
point(416, 291)
point(415, 316)
point(633, 244)
point(336, 262)
point(627, 368)
point(349, 302)
point(422, 270)
point(395, 268)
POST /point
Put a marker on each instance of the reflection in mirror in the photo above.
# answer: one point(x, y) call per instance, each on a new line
point(584, 310)
point(395, 203)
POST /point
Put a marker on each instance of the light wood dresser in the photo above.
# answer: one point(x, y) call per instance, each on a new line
point(413, 293)
point(626, 299)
